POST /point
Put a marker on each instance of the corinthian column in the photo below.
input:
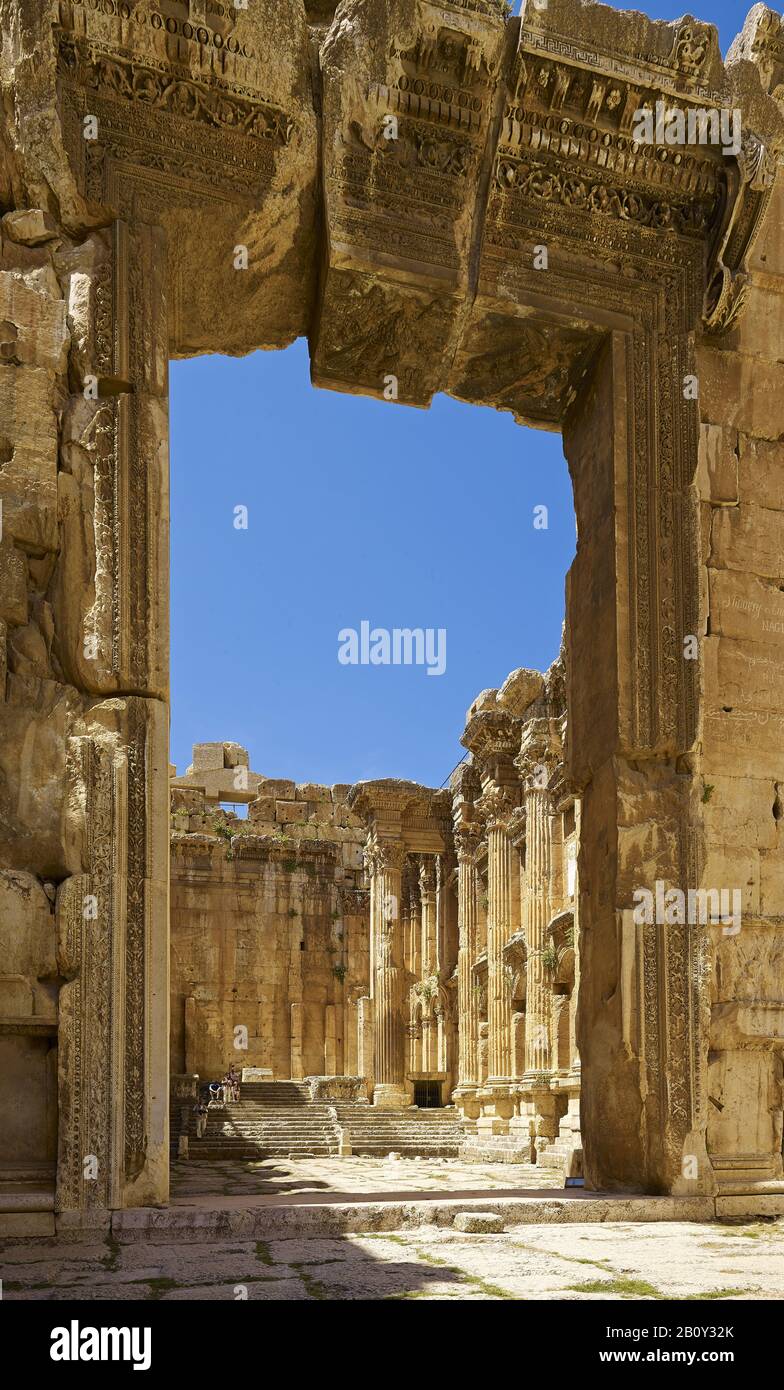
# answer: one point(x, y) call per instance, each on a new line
point(537, 1015)
point(427, 896)
point(499, 916)
point(467, 996)
point(389, 1039)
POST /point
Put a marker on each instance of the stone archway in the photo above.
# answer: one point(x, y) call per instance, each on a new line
point(182, 177)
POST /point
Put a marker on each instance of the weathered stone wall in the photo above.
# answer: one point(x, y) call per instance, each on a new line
point(269, 928)
point(740, 487)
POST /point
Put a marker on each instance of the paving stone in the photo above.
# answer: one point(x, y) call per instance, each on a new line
point(479, 1222)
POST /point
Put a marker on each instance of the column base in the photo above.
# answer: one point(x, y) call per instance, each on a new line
point(467, 1102)
point(388, 1097)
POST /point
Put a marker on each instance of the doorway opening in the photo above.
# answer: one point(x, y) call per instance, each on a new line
point(347, 523)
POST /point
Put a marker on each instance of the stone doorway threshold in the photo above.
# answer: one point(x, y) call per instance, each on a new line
point(275, 1198)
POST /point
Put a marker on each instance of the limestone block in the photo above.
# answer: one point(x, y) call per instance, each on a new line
point(739, 813)
point(767, 254)
point(28, 434)
point(16, 996)
point(33, 328)
point(730, 868)
point(28, 645)
point(183, 799)
point(761, 472)
point(744, 743)
point(234, 755)
point(734, 1125)
point(478, 1222)
point(749, 538)
point(34, 722)
point(13, 584)
point(226, 784)
point(748, 966)
point(262, 809)
point(311, 791)
point(280, 788)
point(758, 330)
point(717, 468)
point(30, 226)
point(28, 1099)
point(288, 811)
point(519, 689)
point(745, 675)
point(340, 791)
point(28, 940)
point(772, 883)
point(744, 606)
point(206, 757)
point(743, 393)
point(352, 856)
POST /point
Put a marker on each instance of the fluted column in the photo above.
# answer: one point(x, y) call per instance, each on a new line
point(427, 897)
point(467, 995)
point(537, 1016)
point(389, 1025)
point(415, 913)
point(499, 914)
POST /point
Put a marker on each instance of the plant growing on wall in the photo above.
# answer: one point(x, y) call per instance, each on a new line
point(550, 957)
point(427, 988)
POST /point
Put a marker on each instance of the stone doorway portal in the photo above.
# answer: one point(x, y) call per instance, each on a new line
point(442, 199)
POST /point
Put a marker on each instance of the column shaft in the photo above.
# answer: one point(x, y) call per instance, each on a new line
point(389, 1050)
point(499, 911)
point(537, 1016)
point(467, 995)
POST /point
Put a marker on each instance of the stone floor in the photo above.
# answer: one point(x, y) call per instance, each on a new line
point(329, 1178)
point(585, 1262)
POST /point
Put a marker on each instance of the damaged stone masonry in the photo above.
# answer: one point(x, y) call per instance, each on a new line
point(141, 142)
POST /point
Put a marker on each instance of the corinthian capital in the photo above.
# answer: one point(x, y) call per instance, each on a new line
point(466, 841)
point(427, 875)
point(496, 806)
point(390, 854)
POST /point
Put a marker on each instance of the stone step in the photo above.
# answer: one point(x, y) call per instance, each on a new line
point(277, 1119)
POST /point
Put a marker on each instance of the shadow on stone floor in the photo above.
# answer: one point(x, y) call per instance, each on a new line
point(336, 1269)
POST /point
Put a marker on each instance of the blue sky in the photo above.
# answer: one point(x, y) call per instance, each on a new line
point(357, 510)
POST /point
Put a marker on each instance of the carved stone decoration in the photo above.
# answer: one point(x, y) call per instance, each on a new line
point(108, 1021)
point(523, 366)
point(197, 129)
point(729, 282)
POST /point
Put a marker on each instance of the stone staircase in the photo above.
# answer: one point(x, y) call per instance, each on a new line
point(277, 1119)
point(410, 1133)
point(273, 1119)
